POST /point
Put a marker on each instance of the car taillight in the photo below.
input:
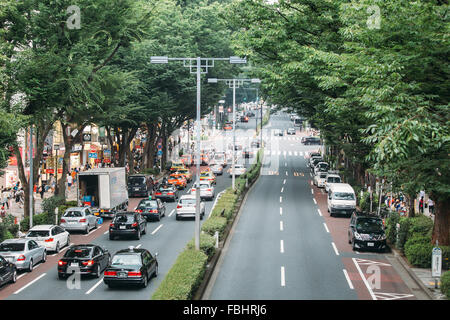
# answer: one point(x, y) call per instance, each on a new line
point(83, 220)
point(138, 210)
point(110, 273)
point(111, 225)
point(209, 190)
point(87, 263)
point(63, 220)
point(62, 263)
point(134, 274)
point(21, 258)
point(134, 224)
point(178, 206)
point(153, 211)
point(158, 193)
point(170, 193)
point(49, 240)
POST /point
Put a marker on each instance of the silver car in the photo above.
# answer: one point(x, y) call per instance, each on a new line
point(24, 253)
point(206, 190)
point(79, 219)
point(186, 207)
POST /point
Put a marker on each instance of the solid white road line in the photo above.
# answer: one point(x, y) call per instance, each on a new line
point(320, 213)
point(369, 288)
point(23, 274)
point(314, 199)
point(156, 230)
point(326, 228)
point(348, 279)
point(95, 286)
point(281, 226)
point(30, 283)
point(283, 277)
point(281, 246)
point(171, 212)
point(335, 249)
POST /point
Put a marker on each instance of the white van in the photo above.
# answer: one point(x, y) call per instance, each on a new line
point(341, 199)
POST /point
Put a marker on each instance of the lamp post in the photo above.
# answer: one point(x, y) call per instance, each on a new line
point(197, 66)
point(234, 83)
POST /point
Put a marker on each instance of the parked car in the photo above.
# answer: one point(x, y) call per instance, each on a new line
point(321, 167)
point(330, 179)
point(366, 232)
point(341, 199)
point(319, 179)
point(311, 140)
point(8, 272)
point(131, 267)
point(87, 259)
point(52, 237)
point(151, 209)
point(140, 185)
point(167, 192)
point(206, 190)
point(127, 224)
point(24, 253)
point(291, 131)
point(79, 219)
point(186, 207)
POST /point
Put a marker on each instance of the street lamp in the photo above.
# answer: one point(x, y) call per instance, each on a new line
point(197, 66)
point(233, 83)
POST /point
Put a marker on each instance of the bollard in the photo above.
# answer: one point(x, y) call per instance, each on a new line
point(216, 236)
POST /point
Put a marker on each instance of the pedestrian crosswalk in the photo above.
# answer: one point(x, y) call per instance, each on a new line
point(284, 153)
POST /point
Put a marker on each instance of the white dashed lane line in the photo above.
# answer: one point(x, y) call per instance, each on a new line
point(30, 283)
point(156, 230)
point(348, 279)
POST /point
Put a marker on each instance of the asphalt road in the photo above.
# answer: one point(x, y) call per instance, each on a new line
point(167, 238)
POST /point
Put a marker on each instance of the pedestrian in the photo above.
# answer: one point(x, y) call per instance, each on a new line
point(4, 198)
point(42, 191)
point(430, 206)
point(421, 204)
point(3, 212)
point(69, 181)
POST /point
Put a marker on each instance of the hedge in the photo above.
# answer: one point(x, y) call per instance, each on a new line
point(184, 277)
point(418, 251)
point(207, 244)
point(213, 224)
point(45, 217)
point(445, 284)
point(8, 229)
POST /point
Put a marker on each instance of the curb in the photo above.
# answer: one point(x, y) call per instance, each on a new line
point(411, 273)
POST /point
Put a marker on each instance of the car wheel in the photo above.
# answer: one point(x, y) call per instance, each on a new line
point(61, 276)
point(44, 256)
point(68, 241)
point(98, 272)
point(353, 245)
point(145, 283)
point(138, 235)
point(177, 217)
point(30, 267)
point(111, 237)
point(14, 276)
point(155, 274)
point(86, 231)
point(57, 247)
point(159, 217)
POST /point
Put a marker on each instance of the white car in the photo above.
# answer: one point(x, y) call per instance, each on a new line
point(239, 169)
point(186, 207)
point(79, 218)
point(52, 237)
point(330, 179)
point(206, 190)
point(321, 167)
point(217, 169)
point(319, 179)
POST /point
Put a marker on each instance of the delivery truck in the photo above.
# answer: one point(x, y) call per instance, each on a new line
point(104, 190)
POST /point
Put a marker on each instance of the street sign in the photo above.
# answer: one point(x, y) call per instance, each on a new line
point(56, 147)
point(159, 154)
point(93, 155)
point(436, 262)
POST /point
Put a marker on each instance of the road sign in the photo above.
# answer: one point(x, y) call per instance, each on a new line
point(159, 154)
point(436, 262)
point(93, 155)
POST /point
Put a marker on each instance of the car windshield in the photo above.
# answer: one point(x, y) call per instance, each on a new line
point(323, 176)
point(166, 188)
point(126, 259)
point(78, 252)
point(38, 233)
point(124, 218)
point(187, 201)
point(148, 204)
point(4, 247)
point(344, 196)
point(369, 225)
point(73, 214)
point(334, 179)
point(136, 180)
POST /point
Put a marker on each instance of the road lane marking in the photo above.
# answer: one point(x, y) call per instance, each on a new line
point(281, 246)
point(23, 274)
point(283, 278)
point(30, 283)
point(282, 189)
point(369, 288)
point(284, 182)
point(335, 249)
point(326, 228)
point(156, 230)
point(314, 199)
point(281, 199)
point(312, 191)
point(171, 212)
point(281, 226)
point(281, 211)
point(106, 232)
point(286, 173)
point(348, 279)
point(95, 286)
point(320, 213)
point(138, 246)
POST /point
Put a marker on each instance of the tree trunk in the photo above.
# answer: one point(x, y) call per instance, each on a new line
point(441, 228)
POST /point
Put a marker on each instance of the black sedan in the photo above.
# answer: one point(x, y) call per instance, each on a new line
point(151, 209)
point(366, 232)
point(8, 272)
point(85, 259)
point(131, 267)
point(167, 192)
point(127, 224)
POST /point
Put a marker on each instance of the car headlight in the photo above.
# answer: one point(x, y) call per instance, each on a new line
point(357, 236)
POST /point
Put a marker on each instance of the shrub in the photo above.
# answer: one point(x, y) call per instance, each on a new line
point(418, 251)
point(183, 278)
point(445, 284)
point(207, 244)
point(421, 225)
point(391, 227)
point(214, 224)
point(403, 232)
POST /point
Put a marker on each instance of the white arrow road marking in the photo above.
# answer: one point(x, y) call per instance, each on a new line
point(364, 279)
point(30, 283)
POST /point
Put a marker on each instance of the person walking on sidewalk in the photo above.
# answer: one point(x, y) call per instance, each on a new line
point(5, 198)
point(3, 212)
point(430, 206)
point(69, 181)
point(421, 204)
